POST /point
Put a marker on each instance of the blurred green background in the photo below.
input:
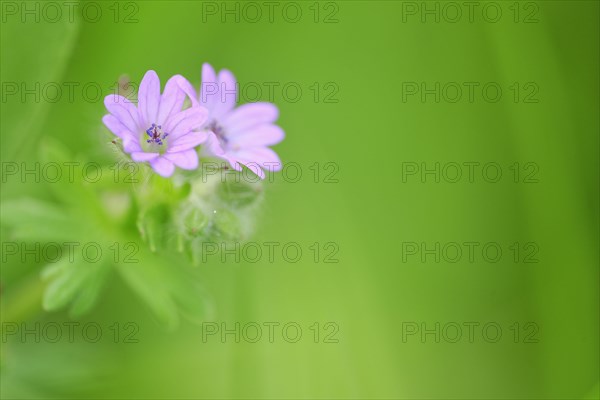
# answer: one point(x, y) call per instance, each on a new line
point(369, 53)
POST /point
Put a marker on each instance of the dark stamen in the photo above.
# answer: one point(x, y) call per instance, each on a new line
point(156, 134)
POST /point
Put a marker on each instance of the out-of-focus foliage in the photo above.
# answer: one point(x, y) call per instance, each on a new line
point(362, 61)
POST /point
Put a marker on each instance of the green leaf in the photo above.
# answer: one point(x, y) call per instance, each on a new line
point(88, 297)
point(195, 304)
point(147, 279)
point(71, 279)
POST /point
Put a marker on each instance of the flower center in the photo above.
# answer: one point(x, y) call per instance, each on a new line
point(219, 133)
point(156, 135)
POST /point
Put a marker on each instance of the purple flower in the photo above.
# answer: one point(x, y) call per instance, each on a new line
point(157, 130)
point(240, 135)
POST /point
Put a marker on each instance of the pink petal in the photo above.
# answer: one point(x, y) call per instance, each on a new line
point(162, 166)
point(212, 147)
point(188, 89)
point(227, 97)
point(187, 159)
point(171, 100)
point(209, 87)
point(116, 126)
point(140, 156)
point(254, 167)
point(187, 141)
point(186, 121)
point(249, 115)
point(258, 136)
point(149, 98)
point(123, 110)
point(131, 144)
point(259, 155)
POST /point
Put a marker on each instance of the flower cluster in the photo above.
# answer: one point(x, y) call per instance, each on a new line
point(163, 132)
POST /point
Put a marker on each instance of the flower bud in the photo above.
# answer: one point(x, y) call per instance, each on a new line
point(227, 225)
point(194, 222)
point(239, 193)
